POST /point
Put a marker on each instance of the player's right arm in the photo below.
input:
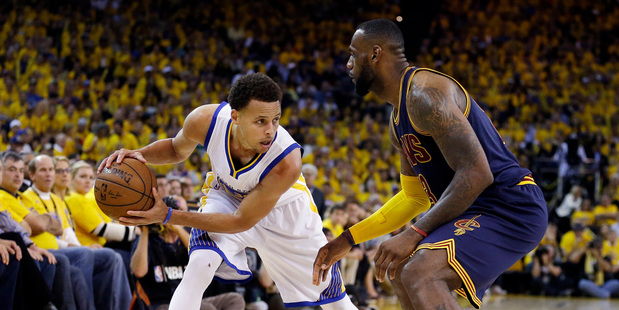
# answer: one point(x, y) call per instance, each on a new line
point(399, 210)
point(171, 150)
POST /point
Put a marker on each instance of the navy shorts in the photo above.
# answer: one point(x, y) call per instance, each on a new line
point(493, 234)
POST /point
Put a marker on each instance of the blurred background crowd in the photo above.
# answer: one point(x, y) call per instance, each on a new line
point(80, 79)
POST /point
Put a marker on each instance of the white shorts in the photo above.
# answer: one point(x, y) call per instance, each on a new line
point(287, 240)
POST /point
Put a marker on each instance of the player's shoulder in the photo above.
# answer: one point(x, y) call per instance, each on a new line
point(432, 78)
point(289, 164)
point(204, 112)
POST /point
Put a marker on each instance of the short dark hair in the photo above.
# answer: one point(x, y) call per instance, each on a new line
point(14, 156)
point(32, 165)
point(383, 30)
point(253, 86)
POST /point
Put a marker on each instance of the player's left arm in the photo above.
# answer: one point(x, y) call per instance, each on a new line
point(436, 106)
point(256, 205)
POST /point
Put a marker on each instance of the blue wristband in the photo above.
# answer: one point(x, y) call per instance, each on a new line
point(167, 218)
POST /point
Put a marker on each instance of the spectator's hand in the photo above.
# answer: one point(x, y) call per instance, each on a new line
point(327, 256)
point(118, 157)
point(394, 251)
point(9, 247)
point(156, 214)
point(95, 246)
point(38, 254)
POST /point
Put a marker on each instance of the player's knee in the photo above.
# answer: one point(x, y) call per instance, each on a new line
point(424, 268)
point(429, 270)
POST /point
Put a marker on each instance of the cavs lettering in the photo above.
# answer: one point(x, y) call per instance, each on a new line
point(413, 149)
point(466, 225)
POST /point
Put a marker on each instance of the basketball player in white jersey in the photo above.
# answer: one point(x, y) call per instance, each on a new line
point(255, 197)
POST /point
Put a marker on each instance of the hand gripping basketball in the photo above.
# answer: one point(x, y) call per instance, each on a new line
point(156, 214)
point(118, 157)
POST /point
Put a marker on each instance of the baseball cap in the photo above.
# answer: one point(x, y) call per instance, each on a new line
point(148, 68)
point(14, 123)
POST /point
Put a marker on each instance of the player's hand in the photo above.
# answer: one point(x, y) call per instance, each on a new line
point(327, 256)
point(9, 247)
point(118, 157)
point(394, 251)
point(156, 214)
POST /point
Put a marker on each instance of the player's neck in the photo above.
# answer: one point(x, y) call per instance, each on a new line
point(239, 148)
point(390, 91)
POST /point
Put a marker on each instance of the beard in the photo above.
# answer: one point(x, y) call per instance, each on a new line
point(364, 81)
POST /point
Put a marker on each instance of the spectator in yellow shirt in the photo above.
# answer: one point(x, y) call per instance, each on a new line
point(606, 212)
point(338, 217)
point(97, 145)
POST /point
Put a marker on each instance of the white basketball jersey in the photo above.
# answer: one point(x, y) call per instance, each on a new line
point(237, 182)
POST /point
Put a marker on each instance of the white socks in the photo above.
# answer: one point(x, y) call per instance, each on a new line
point(197, 277)
point(342, 304)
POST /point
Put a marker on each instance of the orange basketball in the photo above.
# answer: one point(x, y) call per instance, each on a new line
point(125, 186)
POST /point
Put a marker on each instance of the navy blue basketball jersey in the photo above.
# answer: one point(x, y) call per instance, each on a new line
point(426, 158)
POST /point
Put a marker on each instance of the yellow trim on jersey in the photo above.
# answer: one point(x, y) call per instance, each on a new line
point(396, 109)
point(527, 180)
point(300, 185)
point(244, 168)
point(450, 246)
point(467, 109)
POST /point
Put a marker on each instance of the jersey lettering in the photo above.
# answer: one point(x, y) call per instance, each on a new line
point(413, 149)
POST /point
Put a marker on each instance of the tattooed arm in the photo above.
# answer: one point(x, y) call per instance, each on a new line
point(436, 106)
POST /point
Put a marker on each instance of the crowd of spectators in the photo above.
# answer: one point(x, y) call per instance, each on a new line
point(81, 80)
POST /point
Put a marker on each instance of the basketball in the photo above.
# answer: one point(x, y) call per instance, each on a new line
point(125, 186)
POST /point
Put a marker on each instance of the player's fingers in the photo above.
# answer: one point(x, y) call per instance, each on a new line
point(102, 165)
point(121, 156)
point(110, 159)
point(392, 269)
point(155, 194)
point(325, 272)
point(317, 267)
point(139, 157)
point(381, 266)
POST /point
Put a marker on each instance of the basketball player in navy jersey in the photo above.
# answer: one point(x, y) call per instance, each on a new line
point(484, 212)
point(254, 197)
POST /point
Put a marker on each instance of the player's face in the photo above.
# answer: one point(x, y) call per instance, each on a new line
point(360, 71)
point(44, 174)
point(84, 180)
point(257, 124)
point(13, 175)
point(63, 175)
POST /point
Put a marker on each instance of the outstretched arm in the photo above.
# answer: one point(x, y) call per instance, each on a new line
point(171, 150)
point(258, 203)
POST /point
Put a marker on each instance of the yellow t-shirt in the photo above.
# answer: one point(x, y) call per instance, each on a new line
point(14, 205)
point(86, 216)
point(585, 217)
point(568, 241)
point(335, 229)
point(55, 208)
point(612, 251)
point(599, 209)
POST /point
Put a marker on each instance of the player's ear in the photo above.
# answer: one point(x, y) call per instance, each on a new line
point(234, 115)
point(377, 52)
